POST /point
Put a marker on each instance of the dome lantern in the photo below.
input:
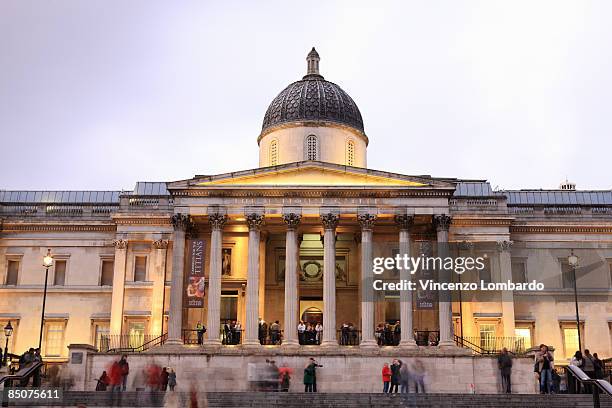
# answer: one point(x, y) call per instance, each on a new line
point(312, 60)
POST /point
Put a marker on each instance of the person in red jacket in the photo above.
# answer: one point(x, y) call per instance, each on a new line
point(386, 377)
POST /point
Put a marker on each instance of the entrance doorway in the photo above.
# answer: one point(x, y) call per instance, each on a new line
point(311, 310)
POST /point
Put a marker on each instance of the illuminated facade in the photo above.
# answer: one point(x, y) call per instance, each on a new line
point(123, 259)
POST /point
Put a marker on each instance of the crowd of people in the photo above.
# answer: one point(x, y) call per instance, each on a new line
point(269, 334)
point(387, 334)
point(232, 332)
point(152, 378)
point(402, 376)
point(591, 365)
point(309, 333)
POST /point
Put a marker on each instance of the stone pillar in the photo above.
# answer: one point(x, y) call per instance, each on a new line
point(158, 276)
point(180, 222)
point(292, 252)
point(330, 222)
point(442, 224)
point(116, 321)
point(217, 222)
point(507, 297)
point(367, 276)
point(254, 222)
point(404, 222)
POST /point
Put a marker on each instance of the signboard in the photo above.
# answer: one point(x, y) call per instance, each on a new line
point(425, 299)
point(195, 284)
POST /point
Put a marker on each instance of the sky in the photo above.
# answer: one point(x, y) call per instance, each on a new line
point(99, 94)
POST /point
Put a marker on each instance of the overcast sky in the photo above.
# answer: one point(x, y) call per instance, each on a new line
point(101, 94)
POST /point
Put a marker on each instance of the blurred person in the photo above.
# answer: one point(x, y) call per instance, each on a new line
point(573, 385)
point(504, 363)
point(37, 358)
point(200, 330)
point(275, 332)
point(419, 376)
point(588, 367)
point(386, 377)
point(103, 382)
point(599, 367)
point(163, 379)
point(285, 377)
point(25, 360)
point(125, 371)
point(404, 378)
point(545, 365)
point(171, 379)
point(397, 333)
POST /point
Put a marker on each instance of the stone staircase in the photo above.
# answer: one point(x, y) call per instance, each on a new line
point(333, 400)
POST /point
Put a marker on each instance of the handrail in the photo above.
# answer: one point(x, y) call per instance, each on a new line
point(156, 341)
point(469, 345)
point(23, 373)
point(583, 378)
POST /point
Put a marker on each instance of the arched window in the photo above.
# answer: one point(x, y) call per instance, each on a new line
point(350, 152)
point(274, 153)
point(311, 148)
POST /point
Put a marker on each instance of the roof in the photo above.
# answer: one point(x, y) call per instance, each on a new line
point(151, 189)
point(559, 197)
point(474, 189)
point(59, 197)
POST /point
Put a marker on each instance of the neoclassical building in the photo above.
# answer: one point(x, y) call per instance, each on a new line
point(294, 240)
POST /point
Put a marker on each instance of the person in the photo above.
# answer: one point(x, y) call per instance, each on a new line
point(419, 376)
point(227, 333)
point(275, 332)
point(378, 334)
point(115, 381)
point(309, 373)
point(103, 382)
point(171, 379)
point(125, 371)
point(163, 379)
point(200, 330)
point(24, 361)
point(1, 357)
point(588, 367)
point(312, 366)
point(397, 333)
point(404, 378)
point(386, 377)
point(319, 332)
point(263, 329)
point(544, 367)
point(37, 358)
point(395, 376)
point(504, 363)
point(573, 385)
point(301, 328)
point(599, 367)
point(238, 332)
point(285, 378)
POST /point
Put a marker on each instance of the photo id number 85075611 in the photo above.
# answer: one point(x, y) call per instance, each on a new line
point(17, 395)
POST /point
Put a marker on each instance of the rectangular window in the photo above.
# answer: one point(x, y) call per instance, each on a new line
point(519, 274)
point(54, 339)
point(107, 273)
point(487, 336)
point(229, 305)
point(12, 272)
point(524, 335)
point(59, 277)
point(136, 334)
point(570, 341)
point(140, 268)
point(101, 332)
point(485, 273)
point(567, 274)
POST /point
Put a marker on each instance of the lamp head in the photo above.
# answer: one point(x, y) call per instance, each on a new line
point(8, 329)
point(572, 259)
point(48, 259)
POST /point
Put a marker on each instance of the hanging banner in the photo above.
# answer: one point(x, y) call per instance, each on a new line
point(425, 299)
point(194, 280)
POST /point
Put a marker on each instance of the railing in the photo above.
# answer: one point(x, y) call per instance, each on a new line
point(596, 386)
point(228, 338)
point(348, 337)
point(494, 345)
point(427, 337)
point(126, 343)
point(22, 374)
point(271, 338)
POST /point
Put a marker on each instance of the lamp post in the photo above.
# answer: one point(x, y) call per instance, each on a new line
point(47, 263)
point(573, 261)
point(8, 331)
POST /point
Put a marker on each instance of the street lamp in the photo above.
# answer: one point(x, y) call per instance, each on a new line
point(573, 261)
point(8, 331)
point(47, 263)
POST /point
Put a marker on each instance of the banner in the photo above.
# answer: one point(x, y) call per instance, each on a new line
point(194, 280)
point(425, 299)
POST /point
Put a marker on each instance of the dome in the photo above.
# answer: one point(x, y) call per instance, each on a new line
point(313, 99)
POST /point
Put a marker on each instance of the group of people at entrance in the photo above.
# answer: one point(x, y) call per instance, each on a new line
point(269, 334)
point(402, 376)
point(388, 334)
point(591, 365)
point(309, 333)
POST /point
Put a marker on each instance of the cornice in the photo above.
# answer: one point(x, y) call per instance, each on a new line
point(151, 220)
point(459, 221)
point(561, 229)
point(40, 227)
point(303, 192)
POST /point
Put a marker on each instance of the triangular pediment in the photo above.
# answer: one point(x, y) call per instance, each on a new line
point(310, 174)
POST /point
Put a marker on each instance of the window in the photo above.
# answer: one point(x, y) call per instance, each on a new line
point(140, 268)
point(101, 332)
point(12, 272)
point(229, 305)
point(567, 274)
point(485, 273)
point(54, 338)
point(59, 277)
point(312, 148)
point(350, 153)
point(487, 336)
point(524, 334)
point(136, 334)
point(519, 274)
point(106, 278)
point(570, 341)
point(274, 153)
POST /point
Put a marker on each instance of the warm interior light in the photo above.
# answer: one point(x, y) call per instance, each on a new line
point(572, 259)
point(8, 329)
point(48, 259)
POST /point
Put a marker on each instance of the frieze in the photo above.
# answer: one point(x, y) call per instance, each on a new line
point(57, 228)
point(322, 193)
point(561, 229)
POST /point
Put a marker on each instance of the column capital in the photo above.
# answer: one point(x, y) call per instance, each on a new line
point(120, 243)
point(504, 246)
point(181, 222)
point(366, 221)
point(254, 221)
point(466, 245)
point(330, 221)
point(292, 220)
point(404, 221)
point(217, 221)
point(160, 244)
point(442, 222)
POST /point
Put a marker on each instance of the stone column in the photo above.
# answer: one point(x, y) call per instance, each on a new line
point(254, 222)
point(367, 276)
point(507, 297)
point(116, 321)
point(217, 222)
point(330, 222)
point(291, 279)
point(180, 222)
point(158, 276)
point(442, 224)
point(404, 222)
